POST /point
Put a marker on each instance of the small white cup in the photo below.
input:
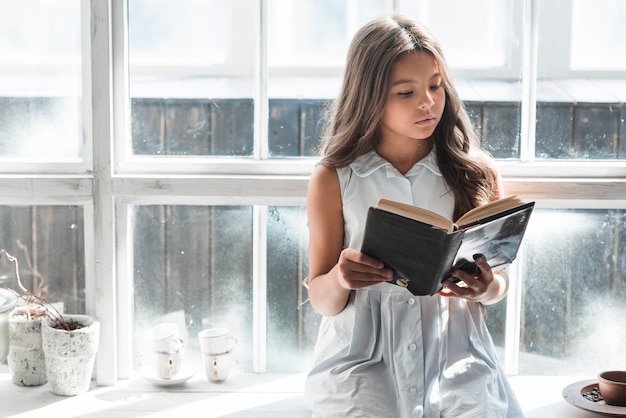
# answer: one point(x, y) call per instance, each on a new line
point(168, 364)
point(218, 366)
point(166, 338)
point(216, 341)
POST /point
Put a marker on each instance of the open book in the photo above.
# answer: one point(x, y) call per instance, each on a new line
point(423, 248)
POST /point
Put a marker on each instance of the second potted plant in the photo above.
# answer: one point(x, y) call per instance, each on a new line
point(70, 345)
point(45, 345)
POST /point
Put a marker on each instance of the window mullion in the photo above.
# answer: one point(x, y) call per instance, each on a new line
point(261, 151)
point(259, 289)
point(98, 63)
point(513, 319)
point(261, 104)
point(120, 144)
point(529, 82)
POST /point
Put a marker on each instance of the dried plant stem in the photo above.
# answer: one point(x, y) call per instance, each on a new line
point(13, 260)
point(40, 286)
point(48, 309)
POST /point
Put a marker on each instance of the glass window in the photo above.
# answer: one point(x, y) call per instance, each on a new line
point(307, 45)
point(312, 33)
point(597, 35)
point(162, 33)
point(48, 242)
point(581, 118)
point(573, 288)
point(191, 95)
point(40, 80)
point(199, 92)
point(193, 266)
point(483, 25)
point(192, 127)
point(292, 324)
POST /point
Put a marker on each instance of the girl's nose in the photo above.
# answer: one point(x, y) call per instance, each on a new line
point(425, 101)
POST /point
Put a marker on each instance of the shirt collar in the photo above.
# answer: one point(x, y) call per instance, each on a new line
point(371, 161)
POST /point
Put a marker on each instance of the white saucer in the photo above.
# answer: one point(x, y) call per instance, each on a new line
point(178, 379)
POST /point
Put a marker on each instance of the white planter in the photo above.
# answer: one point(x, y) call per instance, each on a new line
point(7, 303)
point(70, 355)
point(26, 358)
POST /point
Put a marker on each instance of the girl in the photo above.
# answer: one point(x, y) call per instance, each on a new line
point(398, 130)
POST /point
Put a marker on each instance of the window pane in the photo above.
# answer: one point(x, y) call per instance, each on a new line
point(295, 126)
point(485, 24)
point(163, 126)
point(40, 80)
point(495, 109)
point(597, 35)
point(48, 242)
point(165, 31)
point(292, 323)
point(581, 118)
point(193, 266)
point(304, 37)
point(314, 33)
point(493, 104)
point(189, 94)
point(574, 287)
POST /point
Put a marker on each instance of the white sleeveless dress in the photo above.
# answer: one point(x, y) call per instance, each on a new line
point(392, 354)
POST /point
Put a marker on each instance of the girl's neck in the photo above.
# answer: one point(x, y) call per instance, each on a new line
point(404, 156)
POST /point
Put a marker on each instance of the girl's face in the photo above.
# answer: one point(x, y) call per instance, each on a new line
point(416, 98)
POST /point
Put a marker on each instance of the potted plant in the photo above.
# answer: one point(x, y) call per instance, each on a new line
point(25, 355)
point(26, 358)
point(47, 345)
point(70, 344)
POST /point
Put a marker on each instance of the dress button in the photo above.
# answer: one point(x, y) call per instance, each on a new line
point(413, 389)
point(413, 347)
point(411, 301)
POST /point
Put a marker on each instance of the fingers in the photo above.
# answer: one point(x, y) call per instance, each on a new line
point(358, 270)
point(469, 286)
point(482, 264)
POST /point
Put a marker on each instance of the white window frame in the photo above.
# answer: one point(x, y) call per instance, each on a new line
point(106, 183)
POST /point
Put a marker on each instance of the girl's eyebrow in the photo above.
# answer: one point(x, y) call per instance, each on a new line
point(404, 81)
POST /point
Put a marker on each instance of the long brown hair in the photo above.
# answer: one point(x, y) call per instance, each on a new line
point(353, 127)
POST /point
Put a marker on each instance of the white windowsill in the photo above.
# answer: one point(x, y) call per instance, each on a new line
point(242, 395)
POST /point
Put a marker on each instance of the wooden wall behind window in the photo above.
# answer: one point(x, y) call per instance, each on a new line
point(224, 127)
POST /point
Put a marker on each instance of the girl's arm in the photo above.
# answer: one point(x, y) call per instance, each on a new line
point(333, 270)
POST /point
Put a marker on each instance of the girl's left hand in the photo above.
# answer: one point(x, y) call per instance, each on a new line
point(480, 287)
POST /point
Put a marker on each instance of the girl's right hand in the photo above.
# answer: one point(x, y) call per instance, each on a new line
point(357, 270)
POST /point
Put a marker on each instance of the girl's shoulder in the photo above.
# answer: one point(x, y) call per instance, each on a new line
point(324, 177)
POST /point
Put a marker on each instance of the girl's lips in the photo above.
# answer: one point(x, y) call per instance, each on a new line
point(426, 121)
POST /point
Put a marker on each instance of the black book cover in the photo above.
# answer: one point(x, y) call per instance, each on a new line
point(422, 256)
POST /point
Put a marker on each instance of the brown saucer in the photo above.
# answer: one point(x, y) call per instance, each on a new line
point(573, 394)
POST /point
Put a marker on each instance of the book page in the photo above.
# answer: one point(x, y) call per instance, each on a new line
point(489, 209)
point(419, 214)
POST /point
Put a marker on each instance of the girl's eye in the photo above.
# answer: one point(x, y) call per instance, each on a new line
point(405, 93)
point(435, 87)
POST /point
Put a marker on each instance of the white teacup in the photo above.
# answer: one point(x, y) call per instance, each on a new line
point(218, 366)
point(168, 364)
point(166, 338)
point(216, 341)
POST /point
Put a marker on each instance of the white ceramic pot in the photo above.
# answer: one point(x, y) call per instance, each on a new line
point(70, 355)
point(7, 303)
point(26, 360)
